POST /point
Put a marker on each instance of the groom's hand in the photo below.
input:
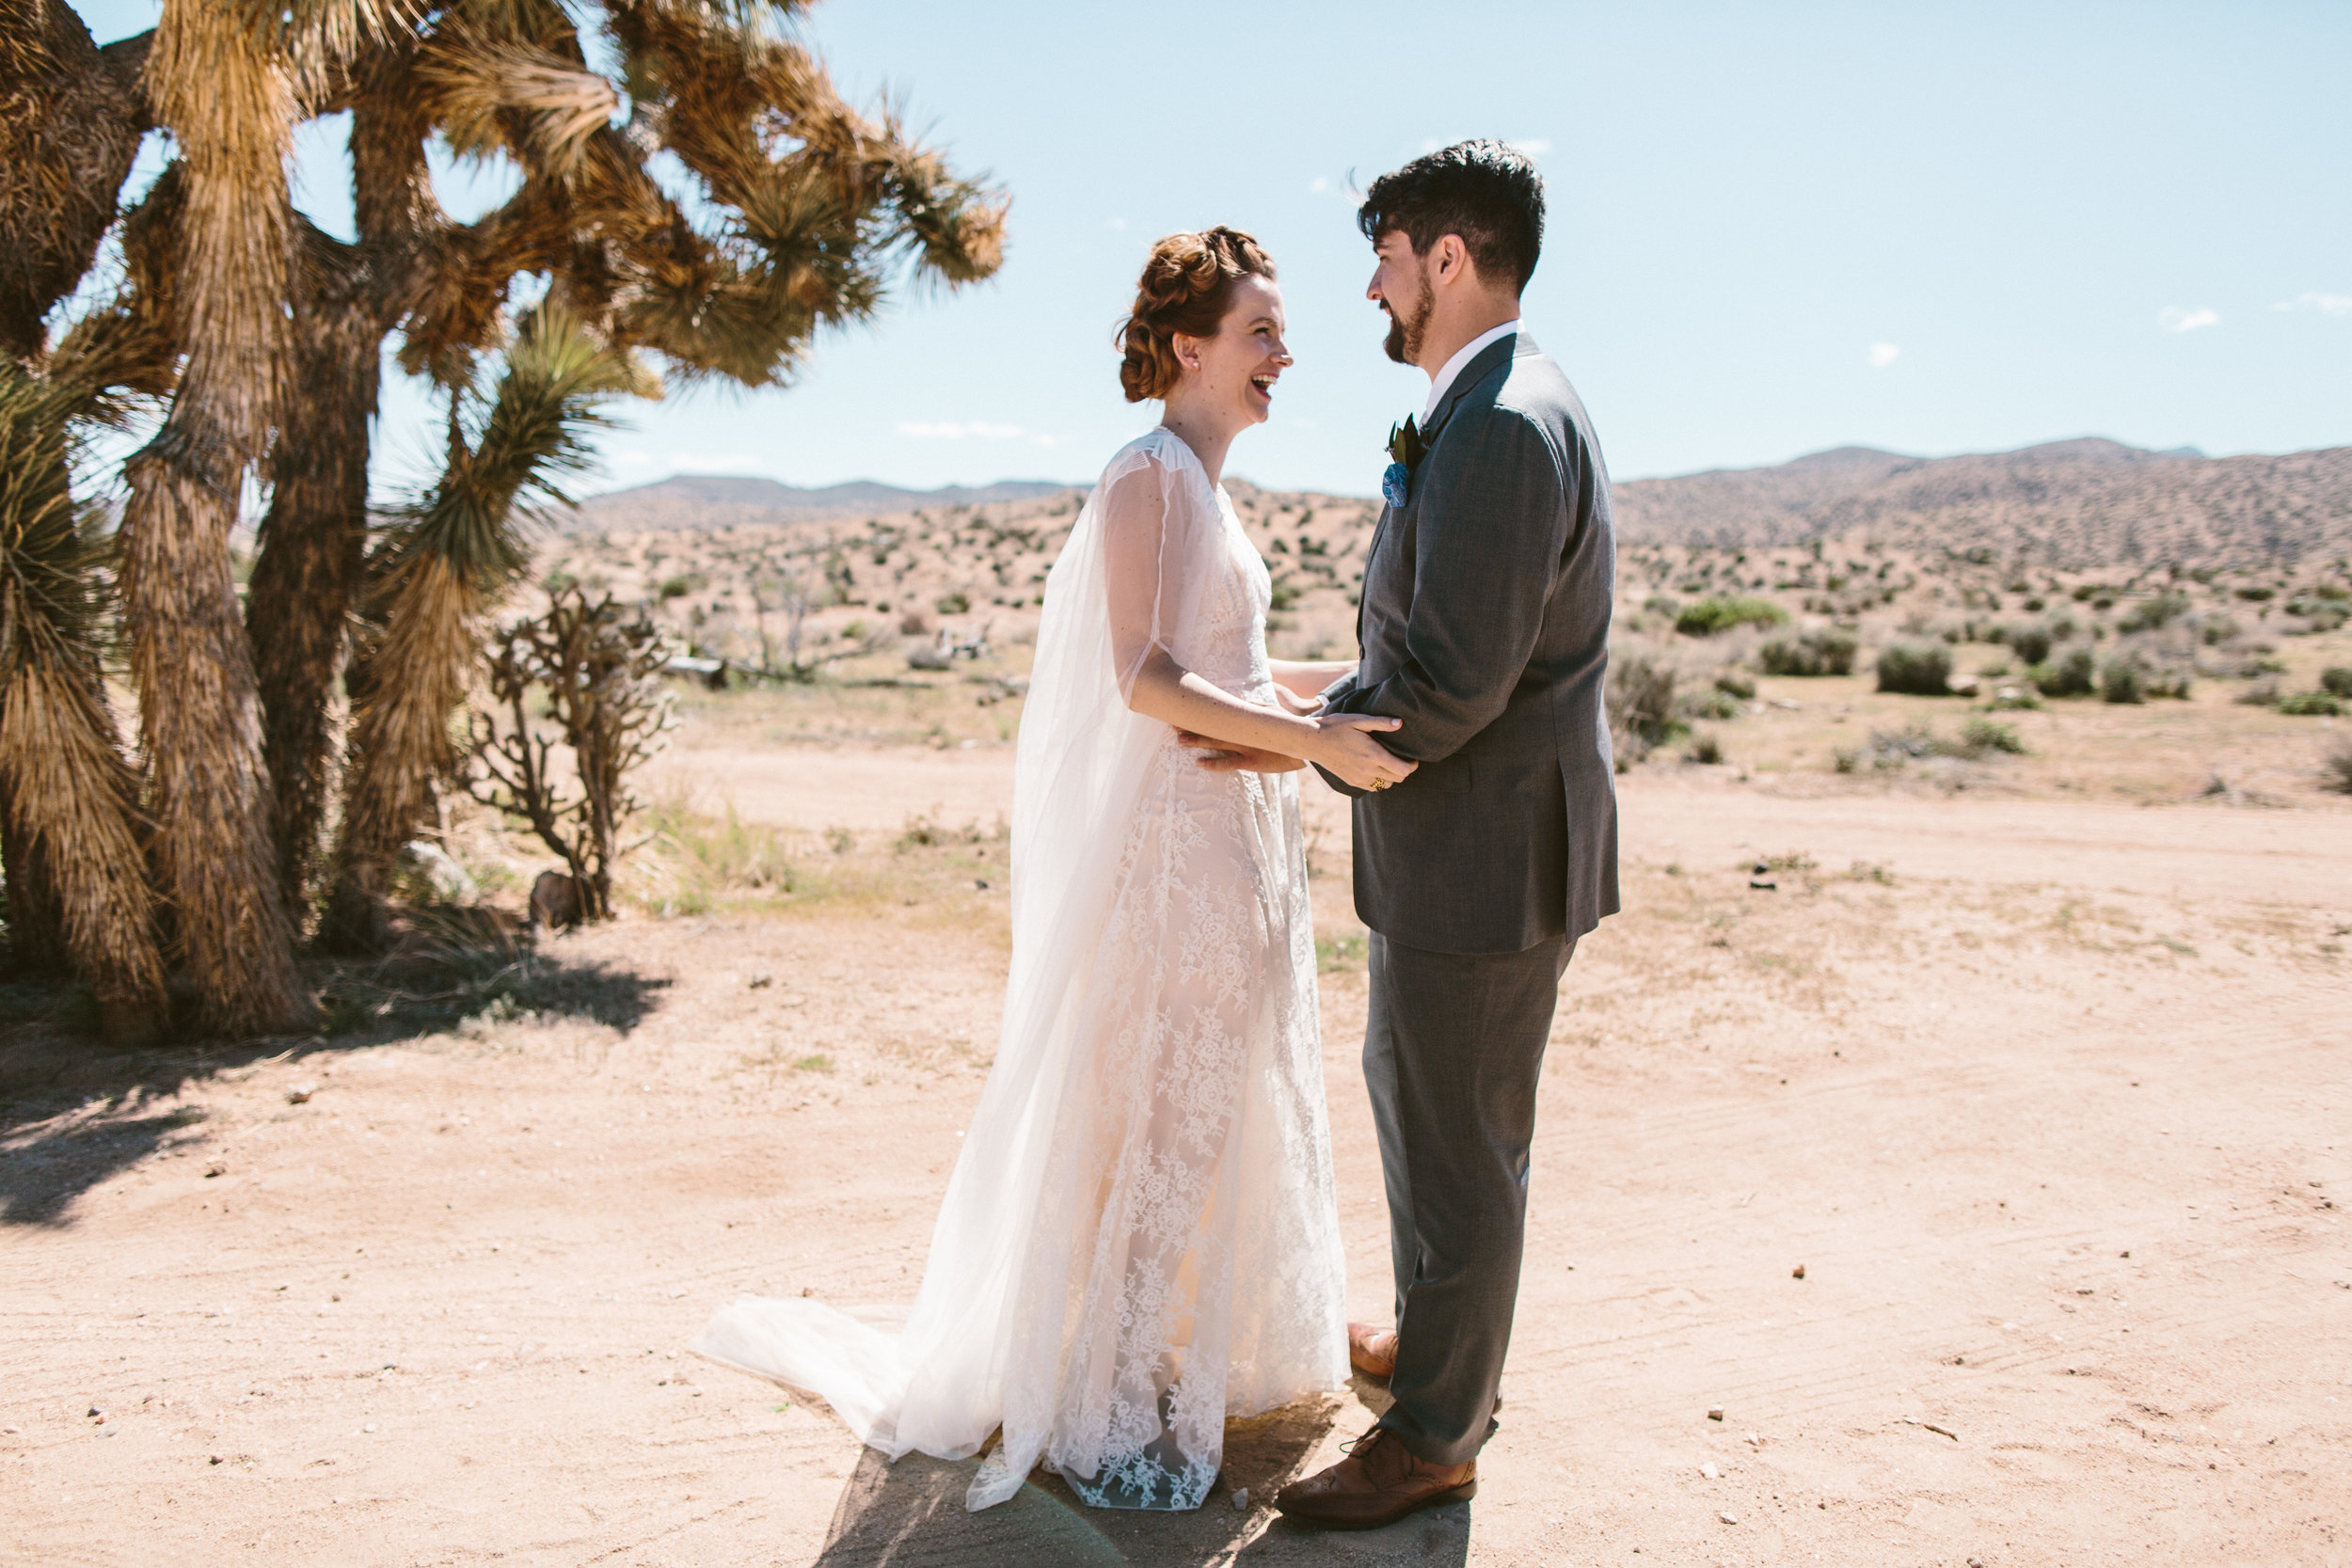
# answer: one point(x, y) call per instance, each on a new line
point(1223, 756)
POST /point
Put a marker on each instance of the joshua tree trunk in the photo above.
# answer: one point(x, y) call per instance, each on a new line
point(223, 87)
point(36, 937)
point(70, 117)
point(401, 742)
point(313, 549)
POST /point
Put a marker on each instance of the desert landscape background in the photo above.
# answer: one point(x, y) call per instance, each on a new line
point(1941, 1158)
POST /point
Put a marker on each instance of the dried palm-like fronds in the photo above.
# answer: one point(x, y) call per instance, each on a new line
point(70, 117)
point(441, 572)
point(72, 799)
point(222, 78)
point(313, 543)
point(488, 93)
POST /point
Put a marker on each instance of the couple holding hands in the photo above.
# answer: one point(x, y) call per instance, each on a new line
point(1141, 1238)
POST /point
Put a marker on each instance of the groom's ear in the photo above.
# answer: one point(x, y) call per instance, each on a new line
point(1449, 260)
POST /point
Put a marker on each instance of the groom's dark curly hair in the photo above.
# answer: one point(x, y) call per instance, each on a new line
point(1487, 192)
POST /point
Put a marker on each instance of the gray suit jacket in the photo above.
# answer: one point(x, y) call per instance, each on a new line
point(1485, 627)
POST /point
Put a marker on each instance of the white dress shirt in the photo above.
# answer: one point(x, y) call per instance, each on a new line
point(1443, 381)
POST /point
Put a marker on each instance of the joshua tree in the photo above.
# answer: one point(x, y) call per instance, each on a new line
point(271, 335)
point(809, 208)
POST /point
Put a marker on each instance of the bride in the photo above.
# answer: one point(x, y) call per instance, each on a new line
point(1139, 1238)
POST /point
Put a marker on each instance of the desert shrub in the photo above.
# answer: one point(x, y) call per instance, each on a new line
point(1979, 737)
point(2335, 769)
point(1714, 703)
point(1705, 748)
point(1661, 604)
point(594, 670)
point(1919, 669)
point(2336, 680)
point(2257, 595)
point(2262, 694)
point(1641, 706)
point(958, 602)
point(1893, 747)
point(2219, 629)
point(2150, 613)
point(1815, 652)
point(1846, 759)
point(710, 858)
point(1735, 683)
point(1723, 611)
point(2070, 675)
point(2061, 626)
point(2124, 680)
point(2029, 640)
point(2310, 705)
point(2012, 699)
point(2319, 614)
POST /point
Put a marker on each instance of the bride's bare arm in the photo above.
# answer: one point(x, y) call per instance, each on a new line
point(1164, 691)
point(1145, 570)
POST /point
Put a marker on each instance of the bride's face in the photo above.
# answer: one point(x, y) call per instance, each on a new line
point(1233, 374)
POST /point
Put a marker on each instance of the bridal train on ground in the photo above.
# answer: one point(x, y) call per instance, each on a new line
point(1139, 1238)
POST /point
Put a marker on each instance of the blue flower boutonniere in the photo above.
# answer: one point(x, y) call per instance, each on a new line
point(1405, 454)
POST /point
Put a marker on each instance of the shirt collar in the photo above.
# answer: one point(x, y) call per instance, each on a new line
point(1443, 381)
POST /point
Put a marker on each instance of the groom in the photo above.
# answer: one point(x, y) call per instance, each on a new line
point(1485, 627)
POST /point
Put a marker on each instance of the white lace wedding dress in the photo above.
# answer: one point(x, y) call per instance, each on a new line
point(1139, 1238)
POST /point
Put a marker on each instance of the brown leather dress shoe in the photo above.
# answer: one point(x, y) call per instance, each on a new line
point(1372, 1351)
point(1379, 1483)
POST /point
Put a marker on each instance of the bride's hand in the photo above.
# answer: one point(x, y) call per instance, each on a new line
point(1295, 704)
point(1344, 744)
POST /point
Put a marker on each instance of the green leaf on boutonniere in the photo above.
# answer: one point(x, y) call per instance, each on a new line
point(1404, 444)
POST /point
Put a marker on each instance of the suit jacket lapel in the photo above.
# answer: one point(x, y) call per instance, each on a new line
point(1480, 367)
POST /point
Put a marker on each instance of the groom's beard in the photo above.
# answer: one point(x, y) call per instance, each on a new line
point(1407, 333)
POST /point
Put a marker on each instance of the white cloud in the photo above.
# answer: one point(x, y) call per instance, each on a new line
point(1534, 147)
point(1883, 354)
point(632, 459)
point(950, 432)
point(2326, 305)
point(2173, 319)
point(1120, 224)
point(1318, 185)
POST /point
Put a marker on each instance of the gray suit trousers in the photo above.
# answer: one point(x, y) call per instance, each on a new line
point(1452, 1048)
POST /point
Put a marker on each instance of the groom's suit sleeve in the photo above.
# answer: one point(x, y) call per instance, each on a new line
point(1489, 535)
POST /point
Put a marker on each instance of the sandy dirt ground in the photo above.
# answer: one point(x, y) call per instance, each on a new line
point(2050, 1101)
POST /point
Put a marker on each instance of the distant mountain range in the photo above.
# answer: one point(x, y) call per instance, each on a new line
point(2080, 503)
point(699, 502)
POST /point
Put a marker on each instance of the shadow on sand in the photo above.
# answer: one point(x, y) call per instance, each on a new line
point(910, 1514)
point(74, 1112)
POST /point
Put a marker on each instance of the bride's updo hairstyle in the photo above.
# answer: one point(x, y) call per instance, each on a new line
point(1186, 288)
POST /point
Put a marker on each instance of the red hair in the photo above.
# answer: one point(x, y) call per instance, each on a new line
point(1186, 287)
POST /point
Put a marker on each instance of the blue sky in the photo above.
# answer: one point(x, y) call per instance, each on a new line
point(1930, 228)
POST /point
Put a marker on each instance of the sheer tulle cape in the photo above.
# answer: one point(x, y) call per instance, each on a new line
point(940, 1384)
